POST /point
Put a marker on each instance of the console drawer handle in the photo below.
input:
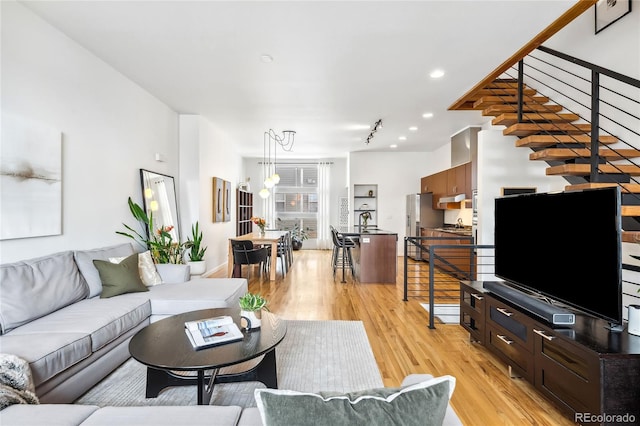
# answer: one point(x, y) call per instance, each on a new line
point(543, 334)
point(504, 339)
point(504, 312)
point(475, 296)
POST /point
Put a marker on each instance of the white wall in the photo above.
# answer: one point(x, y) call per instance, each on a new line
point(396, 175)
point(207, 153)
point(111, 128)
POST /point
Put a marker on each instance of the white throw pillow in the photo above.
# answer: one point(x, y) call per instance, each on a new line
point(146, 268)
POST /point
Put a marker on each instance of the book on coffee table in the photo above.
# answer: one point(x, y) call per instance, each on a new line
point(212, 332)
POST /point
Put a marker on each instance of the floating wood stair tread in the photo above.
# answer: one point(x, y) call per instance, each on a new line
point(631, 236)
point(486, 101)
point(501, 91)
point(585, 169)
point(562, 154)
point(630, 210)
point(495, 110)
point(510, 118)
point(628, 188)
point(541, 141)
point(526, 129)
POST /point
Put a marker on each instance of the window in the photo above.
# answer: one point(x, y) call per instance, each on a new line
point(296, 197)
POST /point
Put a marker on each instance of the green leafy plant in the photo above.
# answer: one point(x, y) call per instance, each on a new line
point(253, 302)
point(194, 244)
point(158, 241)
point(298, 233)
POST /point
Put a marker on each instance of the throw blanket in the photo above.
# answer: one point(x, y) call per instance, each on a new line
point(16, 385)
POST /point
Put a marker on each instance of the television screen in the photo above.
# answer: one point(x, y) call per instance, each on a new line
point(566, 246)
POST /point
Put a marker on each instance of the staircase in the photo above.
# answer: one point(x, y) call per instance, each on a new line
point(566, 141)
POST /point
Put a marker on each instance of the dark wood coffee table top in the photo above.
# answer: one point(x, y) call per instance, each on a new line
point(165, 345)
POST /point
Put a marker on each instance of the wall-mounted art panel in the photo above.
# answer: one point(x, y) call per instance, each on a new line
point(31, 179)
point(226, 211)
point(218, 200)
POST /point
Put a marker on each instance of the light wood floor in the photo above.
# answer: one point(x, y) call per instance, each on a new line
point(402, 342)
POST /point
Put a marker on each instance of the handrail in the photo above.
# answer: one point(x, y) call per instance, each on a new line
point(572, 13)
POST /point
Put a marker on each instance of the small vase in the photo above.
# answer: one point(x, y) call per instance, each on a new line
point(253, 319)
point(262, 232)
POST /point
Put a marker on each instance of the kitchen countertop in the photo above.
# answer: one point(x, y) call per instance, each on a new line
point(466, 230)
point(370, 230)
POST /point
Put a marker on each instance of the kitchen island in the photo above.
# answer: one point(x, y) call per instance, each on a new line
point(375, 256)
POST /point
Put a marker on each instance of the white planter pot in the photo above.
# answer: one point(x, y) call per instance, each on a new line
point(253, 318)
point(198, 268)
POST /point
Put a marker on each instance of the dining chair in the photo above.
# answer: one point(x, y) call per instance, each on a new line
point(244, 253)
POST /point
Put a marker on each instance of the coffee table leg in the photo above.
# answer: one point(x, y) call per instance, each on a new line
point(205, 386)
point(267, 373)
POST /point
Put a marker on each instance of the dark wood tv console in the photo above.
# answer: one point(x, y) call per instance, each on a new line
point(591, 373)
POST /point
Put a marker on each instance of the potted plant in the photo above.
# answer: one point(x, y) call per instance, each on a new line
point(158, 241)
point(298, 235)
point(196, 251)
point(250, 307)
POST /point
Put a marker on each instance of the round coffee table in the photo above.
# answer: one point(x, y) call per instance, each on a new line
point(164, 348)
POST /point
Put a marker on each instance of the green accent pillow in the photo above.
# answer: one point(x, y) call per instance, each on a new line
point(119, 278)
point(423, 404)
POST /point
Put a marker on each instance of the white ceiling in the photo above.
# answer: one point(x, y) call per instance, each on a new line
point(337, 66)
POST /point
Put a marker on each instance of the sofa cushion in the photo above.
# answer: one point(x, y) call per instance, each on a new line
point(420, 404)
point(33, 288)
point(119, 278)
point(46, 414)
point(199, 293)
point(195, 415)
point(102, 320)
point(48, 353)
point(84, 259)
point(146, 268)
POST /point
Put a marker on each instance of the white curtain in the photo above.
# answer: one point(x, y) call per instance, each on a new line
point(324, 205)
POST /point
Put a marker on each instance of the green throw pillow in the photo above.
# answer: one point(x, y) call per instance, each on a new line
point(119, 278)
point(423, 404)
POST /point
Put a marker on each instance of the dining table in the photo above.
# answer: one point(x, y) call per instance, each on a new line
point(259, 238)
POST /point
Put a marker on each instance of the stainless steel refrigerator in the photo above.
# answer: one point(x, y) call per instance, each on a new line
point(420, 214)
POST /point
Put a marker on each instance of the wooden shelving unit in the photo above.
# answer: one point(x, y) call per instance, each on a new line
point(244, 211)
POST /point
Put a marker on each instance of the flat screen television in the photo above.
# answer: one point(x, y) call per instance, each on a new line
point(566, 246)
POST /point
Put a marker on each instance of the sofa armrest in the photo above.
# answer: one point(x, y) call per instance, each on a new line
point(172, 273)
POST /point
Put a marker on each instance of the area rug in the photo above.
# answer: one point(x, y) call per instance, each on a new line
point(314, 356)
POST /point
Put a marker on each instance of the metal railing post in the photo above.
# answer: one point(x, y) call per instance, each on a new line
point(520, 88)
point(595, 125)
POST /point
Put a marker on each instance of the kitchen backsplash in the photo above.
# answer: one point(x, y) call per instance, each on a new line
point(452, 216)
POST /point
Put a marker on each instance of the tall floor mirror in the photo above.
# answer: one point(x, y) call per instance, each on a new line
point(159, 195)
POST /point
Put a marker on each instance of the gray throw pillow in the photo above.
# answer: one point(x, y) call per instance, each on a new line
point(423, 404)
point(119, 278)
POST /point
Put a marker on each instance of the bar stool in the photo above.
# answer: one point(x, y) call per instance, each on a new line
point(342, 257)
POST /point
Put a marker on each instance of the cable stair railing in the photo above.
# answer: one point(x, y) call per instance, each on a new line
point(588, 135)
point(433, 268)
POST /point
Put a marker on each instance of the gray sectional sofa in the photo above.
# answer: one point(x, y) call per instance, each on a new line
point(52, 315)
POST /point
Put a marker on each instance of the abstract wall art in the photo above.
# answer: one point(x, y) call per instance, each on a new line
point(30, 178)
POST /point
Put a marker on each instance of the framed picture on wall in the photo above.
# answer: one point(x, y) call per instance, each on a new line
point(226, 210)
point(218, 200)
point(609, 11)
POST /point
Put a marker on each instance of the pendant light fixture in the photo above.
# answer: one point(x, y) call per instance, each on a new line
point(271, 177)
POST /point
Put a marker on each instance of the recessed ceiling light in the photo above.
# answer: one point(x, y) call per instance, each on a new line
point(402, 138)
point(427, 115)
point(266, 58)
point(436, 74)
point(393, 146)
point(413, 128)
